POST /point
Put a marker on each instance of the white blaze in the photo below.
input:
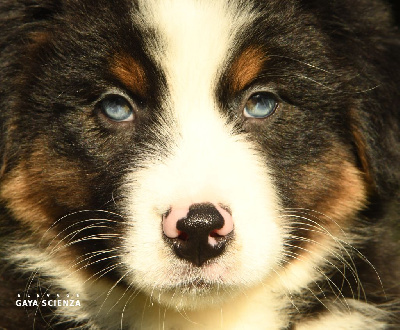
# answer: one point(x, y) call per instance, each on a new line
point(207, 161)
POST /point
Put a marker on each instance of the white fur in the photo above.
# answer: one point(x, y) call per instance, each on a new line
point(360, 316)
point(204, 157)
point(64, 279)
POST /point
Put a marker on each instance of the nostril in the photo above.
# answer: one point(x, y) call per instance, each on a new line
point(215, 234)
point(214, 238)
point(170, 219)
point(227, 227)
point(183, 236)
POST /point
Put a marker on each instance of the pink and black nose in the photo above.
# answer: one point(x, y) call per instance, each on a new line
point(198, 233)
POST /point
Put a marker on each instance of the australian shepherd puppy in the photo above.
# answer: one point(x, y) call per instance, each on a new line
point(199, 164)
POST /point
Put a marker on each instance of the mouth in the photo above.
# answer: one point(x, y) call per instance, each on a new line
point(194, 293)
point(191, 280)
point(198, 284)
point(198, 287)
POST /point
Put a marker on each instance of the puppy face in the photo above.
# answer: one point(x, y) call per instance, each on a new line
point(134, 114)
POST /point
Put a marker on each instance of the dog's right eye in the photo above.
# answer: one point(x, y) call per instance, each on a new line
point(117, 108)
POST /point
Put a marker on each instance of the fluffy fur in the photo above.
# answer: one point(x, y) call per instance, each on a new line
point(312, 188)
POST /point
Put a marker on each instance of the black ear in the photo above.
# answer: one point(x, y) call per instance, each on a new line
point(45, 10)
point(366, 27)
point(378, 120)
point(376, 135)
point(360, 14)
point(375, 119)
point(23, 25)
point(29, 11)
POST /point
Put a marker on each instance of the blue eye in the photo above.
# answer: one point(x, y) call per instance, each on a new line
point(260, 105)
point(117, 108)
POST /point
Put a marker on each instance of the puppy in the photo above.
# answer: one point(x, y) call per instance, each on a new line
point(198, 164)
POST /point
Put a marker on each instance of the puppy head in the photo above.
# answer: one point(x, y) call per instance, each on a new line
point(190, 150)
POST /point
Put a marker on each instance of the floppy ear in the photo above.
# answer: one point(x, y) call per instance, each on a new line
point(3, 156)
point(376, 121)
point(375, 114)
point(41, 10)
point(376, 15)
point(24, 25)
point(378, 151)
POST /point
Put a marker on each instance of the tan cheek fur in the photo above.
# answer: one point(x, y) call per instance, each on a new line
point(37, 192)
point(348, 195)
point(335, 190)
point(38, 189)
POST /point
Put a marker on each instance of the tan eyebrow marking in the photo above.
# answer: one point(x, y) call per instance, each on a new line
point(130, 72)
point(246, 68)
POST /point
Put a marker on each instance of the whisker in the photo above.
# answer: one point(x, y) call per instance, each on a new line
point(365, 259)
point(113, 287)
point(325, 231)
point(311, 213)
point(76, 213)
point(131, 297)
point(124, 293)
point(307, 64)
point(341, 257)
point(87, 238)
point(290, 296)
point(318, 83)
point(103, 272)
point(75, 232)
point(338, 295)
point(94, 262)
point(324, 258)
point(299, 257)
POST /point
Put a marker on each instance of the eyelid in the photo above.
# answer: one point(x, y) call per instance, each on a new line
point(245, 94)
point(118, 92)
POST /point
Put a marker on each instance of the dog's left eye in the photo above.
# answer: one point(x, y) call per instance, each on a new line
point(260, 105)
point(117, 108)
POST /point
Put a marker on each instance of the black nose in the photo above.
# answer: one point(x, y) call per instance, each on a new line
point(199, 241)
